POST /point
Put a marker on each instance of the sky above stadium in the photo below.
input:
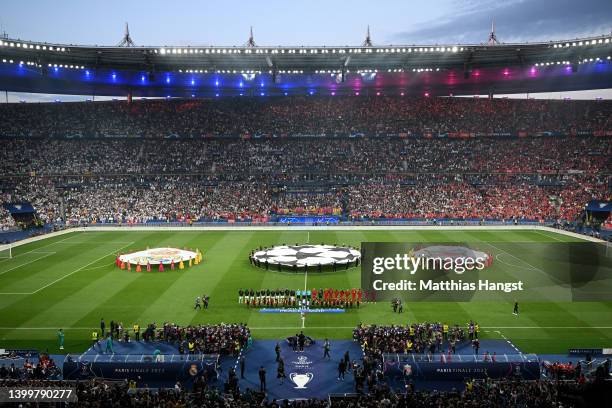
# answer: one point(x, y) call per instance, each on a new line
point(313, 22)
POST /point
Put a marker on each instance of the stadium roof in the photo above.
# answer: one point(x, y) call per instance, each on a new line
point(320, 67)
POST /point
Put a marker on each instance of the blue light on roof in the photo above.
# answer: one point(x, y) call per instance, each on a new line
point(216, 82)
point(142, 78)
point(193, 82)
point(167, 79)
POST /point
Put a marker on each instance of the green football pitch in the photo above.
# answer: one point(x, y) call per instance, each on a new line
point(70, 282)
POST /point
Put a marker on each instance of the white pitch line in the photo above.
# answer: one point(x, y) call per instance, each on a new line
point(305, 286)
point(550, 236)
point(27, 263)
point(516, 257)
point(36, 249)
point(95, 242)
point(507, 341)
point(548, 327)
point(98, 267)
point(48, 328)
point(498, 257)
point(81, 268)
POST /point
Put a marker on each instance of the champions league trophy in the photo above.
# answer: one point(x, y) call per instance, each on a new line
point(300, 380)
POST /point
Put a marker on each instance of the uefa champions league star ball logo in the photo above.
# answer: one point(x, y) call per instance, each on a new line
point(307, 255)
point(300, 380)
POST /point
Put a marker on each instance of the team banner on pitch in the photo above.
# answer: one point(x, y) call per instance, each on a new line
point(572, 271)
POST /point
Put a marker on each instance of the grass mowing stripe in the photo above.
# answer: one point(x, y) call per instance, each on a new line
point(550, 236)
point(27, 263)
point(36, 248)
point(177, 296)
point(546, 327)
point(81, 268)
point(517, 258)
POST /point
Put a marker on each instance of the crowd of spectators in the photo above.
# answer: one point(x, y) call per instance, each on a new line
point(40, 368)
point(380, 115)
point(223, 338)
point(126, 199)
point(6, 221)
point(504, 200)
point(231, 158)
point(411, 338)
point(485, 394)
point(147, 161)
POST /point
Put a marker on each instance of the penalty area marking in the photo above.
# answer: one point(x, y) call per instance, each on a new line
point(69, 274)
point(99, 267)
point(517, 258)
point(499, 259)
point(35, 250)
point(27, 263)
point(81, 268)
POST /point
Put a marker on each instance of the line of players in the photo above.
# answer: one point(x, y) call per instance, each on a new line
point(328, 297)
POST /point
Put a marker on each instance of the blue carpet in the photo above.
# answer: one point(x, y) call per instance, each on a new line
point(321, 374)
point(312, 375)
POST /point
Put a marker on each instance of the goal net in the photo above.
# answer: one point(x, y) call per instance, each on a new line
point(6, 252)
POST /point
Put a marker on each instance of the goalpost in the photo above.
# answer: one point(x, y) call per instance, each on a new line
point(6, 251)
